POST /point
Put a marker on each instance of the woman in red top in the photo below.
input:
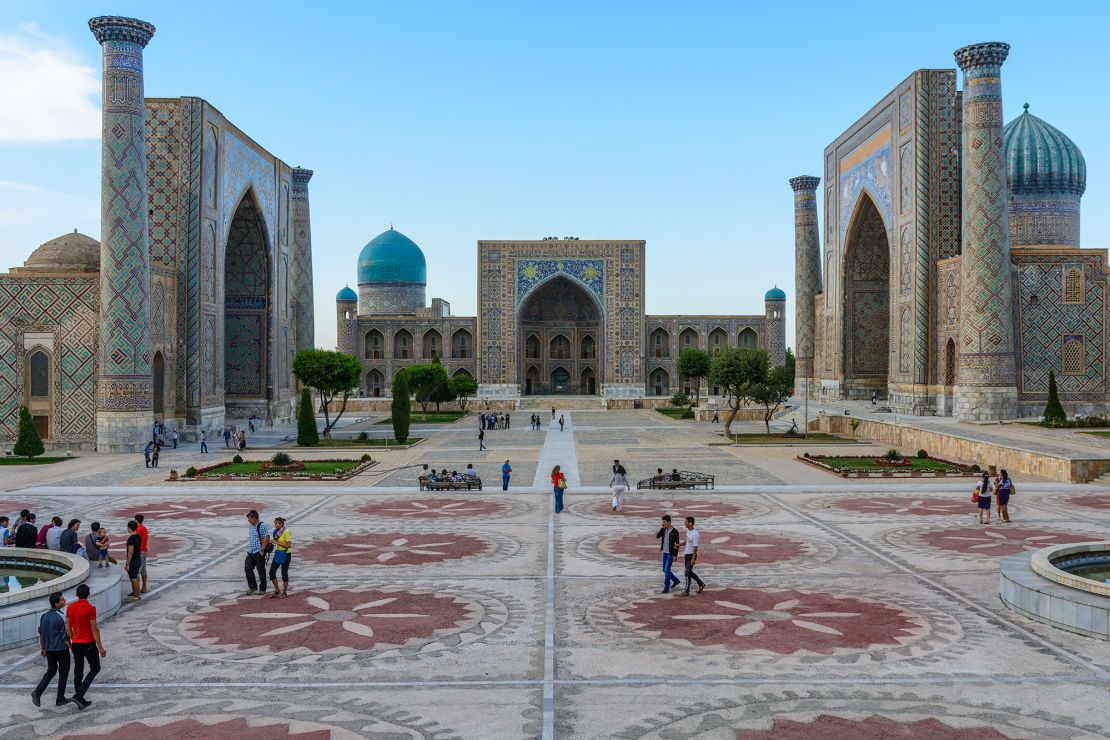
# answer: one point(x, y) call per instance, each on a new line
point(559, 483)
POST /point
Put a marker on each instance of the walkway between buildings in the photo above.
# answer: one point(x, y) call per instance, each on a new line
point(558, 449)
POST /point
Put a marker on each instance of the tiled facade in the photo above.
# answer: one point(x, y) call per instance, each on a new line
point(202, 300)
point(931, 324)
point(557, 316)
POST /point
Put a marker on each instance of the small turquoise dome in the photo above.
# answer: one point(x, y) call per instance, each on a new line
point(775, 294)
point(1041, 159)
point(391, 257)
point(346, 295)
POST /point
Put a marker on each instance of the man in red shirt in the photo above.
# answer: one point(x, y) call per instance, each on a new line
point(142, 550)
point(84, 636)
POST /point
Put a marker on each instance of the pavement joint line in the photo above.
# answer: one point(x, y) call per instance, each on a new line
point(549, 633)
point(1100, 672)
point(186, 576)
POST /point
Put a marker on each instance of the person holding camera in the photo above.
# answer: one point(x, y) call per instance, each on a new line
point(258, 547)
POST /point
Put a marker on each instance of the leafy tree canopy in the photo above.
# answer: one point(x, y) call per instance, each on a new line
point(332, 375)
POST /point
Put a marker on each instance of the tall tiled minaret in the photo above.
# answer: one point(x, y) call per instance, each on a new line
point(986, 383)
point(807, 277)
point(124, 411)
point(302, 260)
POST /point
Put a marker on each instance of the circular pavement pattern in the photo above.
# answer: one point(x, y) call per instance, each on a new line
point(732, 548)
point(677, 508)
point(783, 622)
point(322, 620)
point(394, 548)
point(434, 508)
point(998, 541)
point(157, 545)
point(205, 509)
point(216, 728)
point(904, 505)
point(1091, 501)
point(868, 728)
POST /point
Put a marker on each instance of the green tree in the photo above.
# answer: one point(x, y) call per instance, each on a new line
point(307, 434)
point(332, 375)
point(28, 444)
point(694, 363)
point(1053, 410)
point(463, 386)
point(736, 369)
point(442, 392)
point(400, 410)
point(789, 364)
point(773, 392)
point(426, 381)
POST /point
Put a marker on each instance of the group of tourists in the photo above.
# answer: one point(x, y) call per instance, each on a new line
point(997, 492)
point(490, 420)
point(468, 476)
point(267, 545)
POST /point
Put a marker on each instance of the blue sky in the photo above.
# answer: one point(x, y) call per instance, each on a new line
point(677, 123)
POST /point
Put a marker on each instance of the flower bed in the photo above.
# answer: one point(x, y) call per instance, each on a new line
point(299, 470)
point(872, 467)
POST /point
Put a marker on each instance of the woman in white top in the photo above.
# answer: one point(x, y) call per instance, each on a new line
point(619, 484)
point(984, 499)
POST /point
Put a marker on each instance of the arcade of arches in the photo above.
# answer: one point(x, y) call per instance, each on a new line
point(561, 324)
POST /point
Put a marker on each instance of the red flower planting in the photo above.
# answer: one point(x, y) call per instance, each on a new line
point(434, 508)
point(205, 509)
point(394, 548)
point(732, 548)
point(998, 540)
point(871, 728)
point(783, 622)
point(318, 621)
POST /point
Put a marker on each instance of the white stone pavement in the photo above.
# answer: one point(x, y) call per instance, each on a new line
point(558, 449)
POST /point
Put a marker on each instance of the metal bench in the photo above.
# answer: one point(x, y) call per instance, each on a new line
point(686, 479)
point(474, 484)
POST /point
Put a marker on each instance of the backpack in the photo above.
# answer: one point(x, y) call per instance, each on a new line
point(270, 547)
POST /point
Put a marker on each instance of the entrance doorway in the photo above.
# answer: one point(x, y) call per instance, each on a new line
point(866, 304)
point(246, 312)
point(560, 324)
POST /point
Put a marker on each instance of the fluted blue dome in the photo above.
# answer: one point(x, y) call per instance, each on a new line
point(1041, 159)
point(775, 294)
point(391, 257)
point(346, 295)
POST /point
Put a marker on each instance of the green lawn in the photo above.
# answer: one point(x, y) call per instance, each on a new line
point(432, 417)
point(324, 467)
point(868, 464)
point(31, 461)
point(676, 413)
point(373, 442)
point(1099, 434)
point(760, 438)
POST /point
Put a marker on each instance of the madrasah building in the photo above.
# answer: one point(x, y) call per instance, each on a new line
point(557, 316)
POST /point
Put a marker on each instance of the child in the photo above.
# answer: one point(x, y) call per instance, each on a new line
point(983, 498)
point(102, 542)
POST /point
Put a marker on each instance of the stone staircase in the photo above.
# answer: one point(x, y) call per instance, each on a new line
point(1102, 480)
point(544, 403)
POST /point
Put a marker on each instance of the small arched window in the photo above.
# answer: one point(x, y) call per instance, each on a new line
point(1073, 287)
point(40, 374)
point(1073, 356)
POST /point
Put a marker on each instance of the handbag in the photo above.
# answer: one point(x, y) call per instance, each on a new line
point(280, 556)
point(975, 495)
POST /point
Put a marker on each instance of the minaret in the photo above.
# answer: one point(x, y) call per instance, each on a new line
point(124, 411)
point(986, 383)
point(807, 277)
point(301, 276)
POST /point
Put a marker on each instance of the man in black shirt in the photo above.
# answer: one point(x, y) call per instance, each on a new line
point(27, 534)
point(668, 543)
point(134, 558)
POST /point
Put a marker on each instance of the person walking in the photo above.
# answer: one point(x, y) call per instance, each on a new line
point(242, 440)
point(508, 420)
point(283, 554)
point(690, 554)
point(559, 485)
point(716, 417)
point(155, 454)
point(982, 498)
point(26, 535)
point(506, 471)
point(481, 439)
point(69, 540)
point(54, 646)
point(482, 420)
point(562, 421)
point(552, 413)
point(173, 436)
point(668, 544)
point(1004, 489)
point(227, 437)
point(258, 544)
point(134, 561)
point(619, 487)
point(85, 642)
point(146, 453)
point(203, 442)
point(145, 536)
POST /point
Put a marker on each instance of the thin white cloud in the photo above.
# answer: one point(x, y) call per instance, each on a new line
point(51, 93)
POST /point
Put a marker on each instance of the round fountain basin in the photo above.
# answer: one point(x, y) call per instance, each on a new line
point(1066, 586)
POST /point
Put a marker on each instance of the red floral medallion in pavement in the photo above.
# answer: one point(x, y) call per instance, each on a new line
point(678, 508)
point(1001, 540)
point(205, 509)
point(718, 548)
point(871, 728)
point(905, 506)
point(394, 548)
point(434, 508)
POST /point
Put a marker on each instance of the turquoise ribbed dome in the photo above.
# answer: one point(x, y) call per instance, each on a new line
point(346, 295)
point(1041, 159)
point(775, 294)
point(391, 257)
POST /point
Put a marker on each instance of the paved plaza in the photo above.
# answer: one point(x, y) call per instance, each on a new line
point(864, 609)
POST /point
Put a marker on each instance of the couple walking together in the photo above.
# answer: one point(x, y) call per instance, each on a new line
point(670, 542)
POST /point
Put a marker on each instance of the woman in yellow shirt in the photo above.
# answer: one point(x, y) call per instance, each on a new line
point(283, 553)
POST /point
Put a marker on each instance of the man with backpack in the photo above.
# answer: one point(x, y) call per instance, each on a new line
point(258, 547)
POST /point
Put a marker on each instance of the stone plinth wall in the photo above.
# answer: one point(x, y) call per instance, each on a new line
point(952, 447)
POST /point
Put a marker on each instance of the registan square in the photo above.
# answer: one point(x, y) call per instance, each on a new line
point(493, 370)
